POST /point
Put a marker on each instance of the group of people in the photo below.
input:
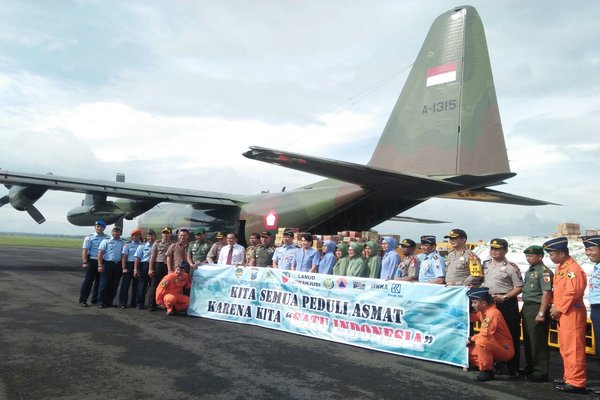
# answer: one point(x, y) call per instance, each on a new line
point(156, 271)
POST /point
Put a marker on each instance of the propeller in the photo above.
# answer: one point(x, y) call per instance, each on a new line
point(35, 214)
point(4, 200)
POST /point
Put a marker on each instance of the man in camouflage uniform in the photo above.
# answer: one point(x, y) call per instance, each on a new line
point(458, 272)
point(198, 250)
point(263, 255)
point(535, 320)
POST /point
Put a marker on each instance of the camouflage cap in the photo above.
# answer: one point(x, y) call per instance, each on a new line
point(534, 250)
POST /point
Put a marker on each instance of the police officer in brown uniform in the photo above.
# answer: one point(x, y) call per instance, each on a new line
point(535, 320)
point(158, 265)
point(213, 253)
point(251, 249)
point(505, 282)
point(460, 260)
point(408, 269)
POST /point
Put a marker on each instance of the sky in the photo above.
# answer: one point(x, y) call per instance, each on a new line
point(172, 93)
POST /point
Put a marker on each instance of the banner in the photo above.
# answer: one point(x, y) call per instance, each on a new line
point(417, 320)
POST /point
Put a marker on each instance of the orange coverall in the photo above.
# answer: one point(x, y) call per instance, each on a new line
point(569, 285)
point(170, 292)
point(493, 342)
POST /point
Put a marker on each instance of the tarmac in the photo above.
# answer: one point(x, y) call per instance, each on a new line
point(52, 348)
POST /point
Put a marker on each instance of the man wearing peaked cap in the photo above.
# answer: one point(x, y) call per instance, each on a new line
point(283, 256)
point(568, 309)
point(213, 254)
point(433, 266)
point(592, 251)
point(505, 282)
point(535, 320)
point(463, 267)
point(408, 269)
point(157, 267)
point(494, 341)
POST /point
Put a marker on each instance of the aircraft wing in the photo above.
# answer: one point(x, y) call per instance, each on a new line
point(410, 186)
point(116, 189)
point(495, 196)
point(401, 218)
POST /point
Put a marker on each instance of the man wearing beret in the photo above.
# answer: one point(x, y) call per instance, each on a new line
point(433, 266)
point(89, 253)
point(537, 295)
point(494, 341)
point(128, 279)
point(592, 250)
point(570, 313)
point(408, 269)
point(505, 282)
point(460, 258)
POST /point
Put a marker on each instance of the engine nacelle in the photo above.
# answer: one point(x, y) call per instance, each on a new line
point(87, 215)
point(22, 197)
point(134, 208)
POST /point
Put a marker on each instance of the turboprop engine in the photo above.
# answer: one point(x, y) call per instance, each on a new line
point(22, 198)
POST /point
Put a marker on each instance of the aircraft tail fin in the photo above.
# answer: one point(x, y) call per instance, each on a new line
point(446, 120)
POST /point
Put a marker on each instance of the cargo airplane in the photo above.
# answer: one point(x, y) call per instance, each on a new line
point(443, 139)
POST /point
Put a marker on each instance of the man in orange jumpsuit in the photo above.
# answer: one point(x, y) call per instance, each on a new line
point(493, 342)
point(170, 291)
point(570, 313)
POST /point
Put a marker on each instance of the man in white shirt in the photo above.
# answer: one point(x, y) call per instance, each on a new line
point(232, 253)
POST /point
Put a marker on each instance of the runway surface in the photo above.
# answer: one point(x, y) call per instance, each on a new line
point(52, 348)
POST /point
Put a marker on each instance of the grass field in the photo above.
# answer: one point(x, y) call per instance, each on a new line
point(40, 241)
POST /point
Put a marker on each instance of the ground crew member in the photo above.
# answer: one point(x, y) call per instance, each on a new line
point(263, 256)
point(140, 267)
point(592, 250)
point(570, 313)
point(373, 259)
point(110, 267)
point(157, 269)
point(127, 262)
point(535, 320)
point(89, 254)
point(463, 267)
point(390, 259)
point(494, 341)
point(341, 254)
point(505, 282)
point(408, 269)
point(198, 250)
point(170, 290)
point(433, 266)
point(251, 249)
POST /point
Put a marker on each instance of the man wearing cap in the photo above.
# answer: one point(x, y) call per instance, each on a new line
point(505, 282)
point(89, 254)
point(592, 251)
point(537, 295)
point(494, 341)
point(569, 311)
point(157, 269)
point(433, 266)
point(283, 257)
point(109, 265)
point(251, 249)
point(232, 253)
point(198, 250)
point(408, 269)
point(263, 256)
point(177, 252)
point(170, 290)
point(213, 254)
point(460, 260)
point(140, 267)
point(127, 261)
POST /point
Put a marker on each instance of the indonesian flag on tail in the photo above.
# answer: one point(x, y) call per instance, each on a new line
point(441, 74)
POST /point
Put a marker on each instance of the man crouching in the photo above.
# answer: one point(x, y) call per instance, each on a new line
point(493, 342)
point(170, 291)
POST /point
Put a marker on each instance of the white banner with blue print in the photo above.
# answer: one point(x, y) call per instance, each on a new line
point(423, 321)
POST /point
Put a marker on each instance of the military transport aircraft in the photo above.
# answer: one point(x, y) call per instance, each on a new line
point(443, 139)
